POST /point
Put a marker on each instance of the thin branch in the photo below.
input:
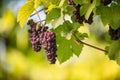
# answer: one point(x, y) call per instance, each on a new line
point(38, 15)
point(38, 12)
point(40, 20)
point(81, 42)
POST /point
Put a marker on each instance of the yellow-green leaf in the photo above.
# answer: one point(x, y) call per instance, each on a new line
point(37, 3)
point(24, 12)
point(52, 6)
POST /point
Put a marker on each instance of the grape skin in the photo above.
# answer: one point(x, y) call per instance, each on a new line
point(42, 37)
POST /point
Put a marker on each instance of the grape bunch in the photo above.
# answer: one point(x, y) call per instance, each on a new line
point(34, 38)
point(115, 34)
point(42, 37)
point(76, 13)
point(48, 40)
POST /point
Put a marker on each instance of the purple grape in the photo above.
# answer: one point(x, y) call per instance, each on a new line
point(43, 37)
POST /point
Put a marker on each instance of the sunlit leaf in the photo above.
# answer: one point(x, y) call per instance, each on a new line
point(24, 12)
point(53, 14)
point(37, 3)
point(114, 50)
point(81, 1)
point(115, 17)
point(83, 9)
point(51, 7)
point(90, 9)
point(110, 15)
point(68, 10)
point(66, 47)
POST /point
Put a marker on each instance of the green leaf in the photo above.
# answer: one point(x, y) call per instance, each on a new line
point(66, 28)
point(73, 19)
point(115, 17)
point(57, 21)
point(76, 48)
point(90, 9)
point(107, 48)
point(68, 10)
point(81, 1)
point(46, 3)
point(75, 26)
point(114, 50)
point(109, 15)
point(64, 51)
point(66, 48)
point(83, 9)
point(108, 38)
point(24, 12)
point(81, 36)
point(104, 13)
point(53, 14)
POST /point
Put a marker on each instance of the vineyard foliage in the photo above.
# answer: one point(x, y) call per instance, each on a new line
point(56, 12)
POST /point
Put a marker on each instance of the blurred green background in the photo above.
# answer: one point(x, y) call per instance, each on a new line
point(19, 62)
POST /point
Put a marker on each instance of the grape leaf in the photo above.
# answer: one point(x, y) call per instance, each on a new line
point(53, 14)
point(115, 17)
point(62, 3)
point(108, 38)
point(68, 10)
point(104, 13)
point(90, 9)
point(66, 48)
point(66, 28)
point(46, 3)
point(50, 7)
point(24, 12)
point(75, 26)
point(76, 49)
point(114, 50)
point(109, 15)
point(37, 3)
point(63, 52)
point(57, 21)
point(81, 36)
point(81, 1)
point(83, 9)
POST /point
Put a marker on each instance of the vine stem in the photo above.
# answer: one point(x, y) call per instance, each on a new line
point(38, 12)
point(38, 15)
point(81, 42)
